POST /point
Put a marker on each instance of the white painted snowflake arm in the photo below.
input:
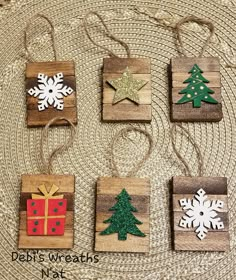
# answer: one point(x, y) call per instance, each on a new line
point(42, 104)
point(58, 78)
point(217, 205)
point(201, 231)
point(186, 203)
point(66, 91)
point(34, 92)
point(186, 221)
point(43, 79)
point(59, 104)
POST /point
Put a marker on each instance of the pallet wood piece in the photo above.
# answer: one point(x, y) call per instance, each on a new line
point(107, 189)
point(186, 112)
point(126, 110)
point(30, 184)
point(185, 239)
point(40, 118)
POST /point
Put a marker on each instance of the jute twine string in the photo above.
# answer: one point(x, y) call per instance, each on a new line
point(200, 21)
point(47, 164)
point(122, 133)
point(107, 32)
point(52, 32)
point(184, 131)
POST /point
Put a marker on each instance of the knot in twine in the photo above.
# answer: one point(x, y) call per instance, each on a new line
point(200, 21)
point(185, 132)
point(123, 133)
point(107, 32)
point(52, 32)
point(47, 164)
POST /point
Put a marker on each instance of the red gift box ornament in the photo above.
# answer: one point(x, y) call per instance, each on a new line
point(46, 213)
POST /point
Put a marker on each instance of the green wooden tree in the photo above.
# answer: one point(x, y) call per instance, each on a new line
point(123, 221)
point(196, 91)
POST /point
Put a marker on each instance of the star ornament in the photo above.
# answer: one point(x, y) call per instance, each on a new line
point(126, 87)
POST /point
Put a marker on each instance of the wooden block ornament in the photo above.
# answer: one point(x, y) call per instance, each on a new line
point(126, 83)
point(196, 84)
point(46, 212)
point(122, 210)
point(47, 204)
point(50, 89)
point(200, 213)
point(200, 208)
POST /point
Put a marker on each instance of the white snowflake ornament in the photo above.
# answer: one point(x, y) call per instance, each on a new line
point(201, 213)
point(50, 91)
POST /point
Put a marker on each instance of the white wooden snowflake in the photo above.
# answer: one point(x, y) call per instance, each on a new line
point(50, 91)
point(201, 213)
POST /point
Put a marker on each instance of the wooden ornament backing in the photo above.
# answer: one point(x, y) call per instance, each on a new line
point(40, 118)
point(179, 73)
point(185, 239)
point(126, 110)
point(30, 184)
point(107, 189)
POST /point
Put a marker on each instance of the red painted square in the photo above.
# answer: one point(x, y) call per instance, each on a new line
point(35, 227)
point(35, 207)
point(56, 226)
point(57, 207)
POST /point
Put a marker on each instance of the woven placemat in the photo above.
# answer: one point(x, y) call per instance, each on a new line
point(89, 157)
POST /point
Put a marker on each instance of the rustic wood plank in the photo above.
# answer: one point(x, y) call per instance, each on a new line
point(176, 95)
point(126, 112)
point(107, 190)
point(178, 215)
point(186, 113)
point(178, 79)
point(215, 241)
point(105, 243)
point(104, 202)
point(144, 93)
point(118, 65)
point(30, 183)
point(41, 118)
point(177, 197)
point(114, 185)
point(190, 185)
point(207, 64)
point(100, 217)
point(50, 68)
point(47, 242)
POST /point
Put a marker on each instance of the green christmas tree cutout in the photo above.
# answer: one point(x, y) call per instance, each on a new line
point(197, 91)
point(123, 221)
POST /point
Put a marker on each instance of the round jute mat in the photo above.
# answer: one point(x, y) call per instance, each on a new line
point(89, 158)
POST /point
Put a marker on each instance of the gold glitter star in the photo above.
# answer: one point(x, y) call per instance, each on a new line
point(126, 87)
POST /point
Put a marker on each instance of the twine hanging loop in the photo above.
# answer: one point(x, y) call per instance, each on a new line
point(200, 21)
point(185, 132)
point(107, 32)
point(136, 168)
point(52, 32)
point(47, 164)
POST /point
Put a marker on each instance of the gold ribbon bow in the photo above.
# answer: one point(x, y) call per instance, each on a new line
point(46, 194)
